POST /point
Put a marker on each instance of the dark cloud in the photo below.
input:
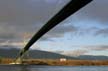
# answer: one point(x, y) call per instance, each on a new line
point(99, 10)
point(96, 14)
point(27, 16)
point(60, 30)
point(94, 31)
point(96, 10)
point(20, 16)
point(103, 32)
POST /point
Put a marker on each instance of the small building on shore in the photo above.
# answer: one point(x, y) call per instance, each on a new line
point(63, 59)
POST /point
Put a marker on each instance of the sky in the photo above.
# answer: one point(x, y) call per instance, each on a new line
point(83, 33)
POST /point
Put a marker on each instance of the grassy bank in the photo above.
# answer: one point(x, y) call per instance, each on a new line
point(58, 62)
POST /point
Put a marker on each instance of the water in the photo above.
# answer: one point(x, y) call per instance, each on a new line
point(52, 68)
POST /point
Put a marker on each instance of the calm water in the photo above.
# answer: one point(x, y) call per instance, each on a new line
point(52, 68)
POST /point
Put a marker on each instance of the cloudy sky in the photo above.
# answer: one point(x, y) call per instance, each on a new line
point(84, 33)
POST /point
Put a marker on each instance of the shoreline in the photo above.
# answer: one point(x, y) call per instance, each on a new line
point(51, 65)
point(56, 62)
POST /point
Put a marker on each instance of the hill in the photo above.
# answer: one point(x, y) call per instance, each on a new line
point(91, 57)
point(13, 53)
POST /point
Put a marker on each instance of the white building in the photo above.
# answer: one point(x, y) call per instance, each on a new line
point(63, 59)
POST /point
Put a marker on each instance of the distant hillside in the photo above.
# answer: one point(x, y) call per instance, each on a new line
point(90, 57)
point(13, 53)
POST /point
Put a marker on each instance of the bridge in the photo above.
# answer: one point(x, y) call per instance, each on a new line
point(69, 9)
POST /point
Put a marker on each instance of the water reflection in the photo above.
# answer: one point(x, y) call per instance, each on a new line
point(28, 68)
point(24, 68)
point(51, 68)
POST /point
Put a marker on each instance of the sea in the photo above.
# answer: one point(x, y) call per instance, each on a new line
point(51, 68)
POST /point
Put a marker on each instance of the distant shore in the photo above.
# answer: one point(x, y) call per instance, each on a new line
point(57, 62)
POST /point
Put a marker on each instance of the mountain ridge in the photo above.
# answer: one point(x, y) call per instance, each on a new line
point(39, 54)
